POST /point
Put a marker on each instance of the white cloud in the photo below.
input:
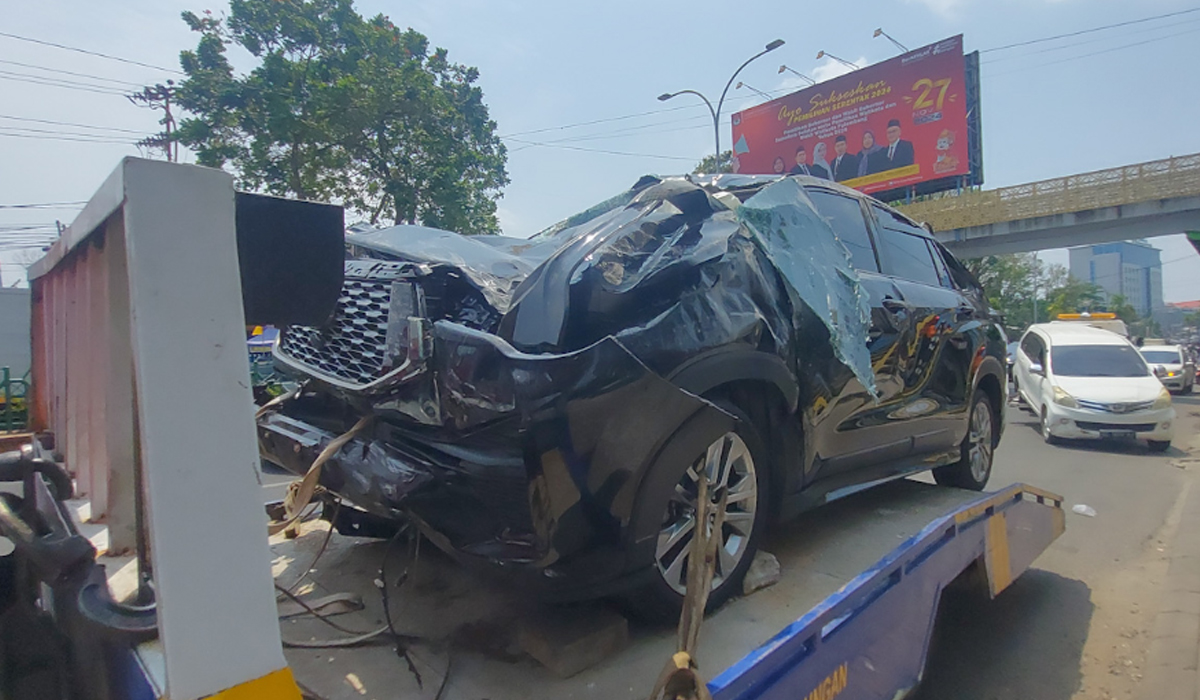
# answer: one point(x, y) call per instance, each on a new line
point(944, 8)
point(832, 69)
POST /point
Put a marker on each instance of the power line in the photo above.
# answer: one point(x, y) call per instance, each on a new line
point(1124, 35)
point(62, 138)
point(72, 124)
point(1089, 31)
point(67, 72)
point(59, 132)
point(599, 150)
point(1096, 53)
point(89, 53)
point(44, 205)
point(53, 82)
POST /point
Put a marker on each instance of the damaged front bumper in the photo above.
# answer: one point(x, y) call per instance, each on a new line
point(536, 467)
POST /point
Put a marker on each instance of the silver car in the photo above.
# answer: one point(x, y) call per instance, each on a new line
point(1173, 366)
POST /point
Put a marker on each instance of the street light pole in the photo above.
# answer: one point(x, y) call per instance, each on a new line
point(751, 88)
point(798, 74)
point(716, 112)
point(844, 62)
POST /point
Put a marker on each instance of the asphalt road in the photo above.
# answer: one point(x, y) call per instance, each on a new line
point(1077, 625)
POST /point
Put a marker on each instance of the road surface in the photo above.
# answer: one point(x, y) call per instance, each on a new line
point(1081, 623)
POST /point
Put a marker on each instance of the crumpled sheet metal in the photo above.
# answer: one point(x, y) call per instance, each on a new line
point(807, 252)
point(496, 265)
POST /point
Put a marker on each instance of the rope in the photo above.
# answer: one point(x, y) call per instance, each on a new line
point(680, 678)
point(300, 493)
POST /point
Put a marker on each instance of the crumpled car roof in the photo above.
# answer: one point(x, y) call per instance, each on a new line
point(639, 233)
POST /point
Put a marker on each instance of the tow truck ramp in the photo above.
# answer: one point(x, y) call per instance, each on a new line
point(861, 577)
point(870, 639)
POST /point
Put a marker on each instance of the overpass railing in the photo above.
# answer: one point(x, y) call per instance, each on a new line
point(1128, 184)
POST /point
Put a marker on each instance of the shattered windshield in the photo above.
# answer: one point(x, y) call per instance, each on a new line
point(816, 265)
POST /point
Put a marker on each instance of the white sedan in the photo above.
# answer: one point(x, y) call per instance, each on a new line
point(1085, 382)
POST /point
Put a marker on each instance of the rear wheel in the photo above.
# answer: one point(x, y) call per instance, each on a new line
point(735, 465)
point(978, 448)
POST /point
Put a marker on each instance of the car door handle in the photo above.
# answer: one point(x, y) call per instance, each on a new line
point(895, 305)
point(966, 311)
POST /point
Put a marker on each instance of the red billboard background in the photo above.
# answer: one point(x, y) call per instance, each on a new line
point(912, 107)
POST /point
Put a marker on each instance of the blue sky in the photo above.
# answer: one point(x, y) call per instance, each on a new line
point(1094, 101)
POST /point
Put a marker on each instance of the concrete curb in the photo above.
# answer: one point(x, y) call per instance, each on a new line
point(1173, 659)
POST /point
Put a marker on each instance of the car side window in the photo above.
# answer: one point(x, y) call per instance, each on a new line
point(845, 217)
point(940, 265)
point(962, 277)
point(1033, 348)
point(902, 248)
point(907, 256)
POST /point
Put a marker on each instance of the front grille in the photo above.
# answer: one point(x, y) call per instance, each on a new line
point(1116, 407)
point(1135, 427)
point(353, 347)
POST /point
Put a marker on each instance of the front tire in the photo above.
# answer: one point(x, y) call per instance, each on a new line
point(735, 462)
point(1045, 428)
point(977, 450)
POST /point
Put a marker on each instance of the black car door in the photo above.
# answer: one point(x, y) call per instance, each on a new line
point(847, 427)
point(934, 376)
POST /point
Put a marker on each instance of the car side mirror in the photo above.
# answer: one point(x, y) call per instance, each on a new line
point(1036, 368)
point(1159, 370)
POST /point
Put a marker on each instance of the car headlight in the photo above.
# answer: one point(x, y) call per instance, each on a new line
point(1062, 398)
point(1163, 400)
point(1170, 373)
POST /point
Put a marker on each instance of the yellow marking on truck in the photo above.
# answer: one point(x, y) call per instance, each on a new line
point(277, 685)
point(997, 559)
point(832, 686)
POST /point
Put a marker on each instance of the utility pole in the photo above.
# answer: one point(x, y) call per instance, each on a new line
point(159, 97)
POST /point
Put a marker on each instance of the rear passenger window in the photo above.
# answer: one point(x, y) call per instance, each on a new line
point(845, 217)
point(940, 266)
point(907, 256)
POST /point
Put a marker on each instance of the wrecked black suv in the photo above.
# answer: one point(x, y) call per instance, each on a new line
point(549, 404)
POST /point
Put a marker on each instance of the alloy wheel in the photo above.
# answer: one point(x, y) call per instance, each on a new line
point(980, 441)
point(728, 467)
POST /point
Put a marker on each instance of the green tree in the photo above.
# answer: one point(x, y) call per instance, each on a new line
point(709, 165)
point(1017, 284)
point(1120, 306)
point(342, 108)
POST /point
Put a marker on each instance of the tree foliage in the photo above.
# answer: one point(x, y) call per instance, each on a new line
point(1018, 284)
point(709, 165)
point(342, 108)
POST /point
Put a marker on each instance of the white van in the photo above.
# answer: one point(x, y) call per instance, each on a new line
point(1084, 382)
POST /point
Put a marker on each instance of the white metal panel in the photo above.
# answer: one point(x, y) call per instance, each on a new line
point(196, 429)
point(118, 430)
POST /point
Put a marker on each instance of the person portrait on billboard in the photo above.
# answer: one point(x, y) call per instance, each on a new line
point(897, 154)
point(780, 166)
point(803, 168)
point(820, 165)
point(864, 156)
point(844, 165)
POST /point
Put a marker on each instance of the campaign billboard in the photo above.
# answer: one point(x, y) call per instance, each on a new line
point(898, 124)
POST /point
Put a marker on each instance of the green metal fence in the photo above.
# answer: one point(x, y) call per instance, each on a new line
point(14, 416)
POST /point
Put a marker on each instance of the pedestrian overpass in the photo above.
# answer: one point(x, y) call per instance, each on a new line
point(1157, 198)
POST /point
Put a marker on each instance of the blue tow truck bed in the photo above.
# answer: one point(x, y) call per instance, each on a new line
point(861, 580)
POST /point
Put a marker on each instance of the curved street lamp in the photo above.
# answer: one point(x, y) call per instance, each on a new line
point(716, 112)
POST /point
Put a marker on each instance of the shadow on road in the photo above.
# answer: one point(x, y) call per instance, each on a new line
point(1024, 645)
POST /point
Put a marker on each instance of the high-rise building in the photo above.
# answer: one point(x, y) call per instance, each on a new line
point(1132, 269)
